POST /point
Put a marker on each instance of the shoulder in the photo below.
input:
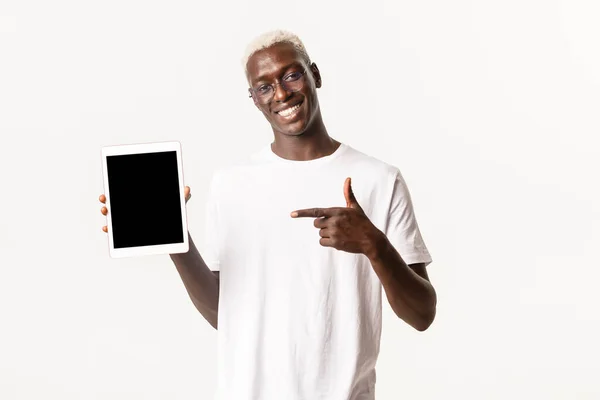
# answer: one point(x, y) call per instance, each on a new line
point(371, 165)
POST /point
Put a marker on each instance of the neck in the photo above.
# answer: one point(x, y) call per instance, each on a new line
point(314, 143)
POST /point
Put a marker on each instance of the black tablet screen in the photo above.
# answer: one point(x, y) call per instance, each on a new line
point(144, 199)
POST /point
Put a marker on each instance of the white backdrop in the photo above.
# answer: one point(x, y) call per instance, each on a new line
point(490, 109)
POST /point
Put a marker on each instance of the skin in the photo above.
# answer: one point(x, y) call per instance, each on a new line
point(304, 137)
point(201, 283)
point(408, 289)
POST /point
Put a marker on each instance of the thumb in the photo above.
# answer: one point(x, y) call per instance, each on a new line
point(187, 192)
point(349, 195)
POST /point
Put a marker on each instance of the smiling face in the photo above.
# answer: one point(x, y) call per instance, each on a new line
point(289, 113)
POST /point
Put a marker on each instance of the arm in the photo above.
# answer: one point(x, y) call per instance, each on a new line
point(408, 290)
point(201, 283)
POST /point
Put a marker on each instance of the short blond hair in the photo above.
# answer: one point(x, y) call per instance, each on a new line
point(271, 38)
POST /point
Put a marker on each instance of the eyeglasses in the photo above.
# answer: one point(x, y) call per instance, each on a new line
point(292, 82)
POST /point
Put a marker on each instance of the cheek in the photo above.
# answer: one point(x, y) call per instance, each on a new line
point(265, 112)
point(313, 102)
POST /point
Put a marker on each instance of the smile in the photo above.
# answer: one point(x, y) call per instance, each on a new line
point(288, 112)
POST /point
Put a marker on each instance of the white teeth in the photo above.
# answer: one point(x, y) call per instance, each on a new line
point(288, 111)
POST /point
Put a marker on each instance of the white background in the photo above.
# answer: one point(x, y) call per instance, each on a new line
point(489, 108)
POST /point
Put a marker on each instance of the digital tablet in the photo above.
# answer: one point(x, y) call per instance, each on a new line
point(143, 185)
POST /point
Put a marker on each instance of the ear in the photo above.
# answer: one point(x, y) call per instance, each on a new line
point(316, 74)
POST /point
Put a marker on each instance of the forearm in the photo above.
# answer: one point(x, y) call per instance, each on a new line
point(411, 296)
point(201, 283)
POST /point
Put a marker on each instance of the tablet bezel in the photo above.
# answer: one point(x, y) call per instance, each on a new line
point(156, 147)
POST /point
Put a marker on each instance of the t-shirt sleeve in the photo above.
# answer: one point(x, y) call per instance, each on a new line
point(402, 227)
point(210, 250)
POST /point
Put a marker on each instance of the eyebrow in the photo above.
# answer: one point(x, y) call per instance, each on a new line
point(264, 76)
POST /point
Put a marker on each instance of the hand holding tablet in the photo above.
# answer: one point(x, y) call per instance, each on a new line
point(187, 192)
point(144, 192)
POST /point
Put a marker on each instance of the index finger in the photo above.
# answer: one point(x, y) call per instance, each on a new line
point(315, 212)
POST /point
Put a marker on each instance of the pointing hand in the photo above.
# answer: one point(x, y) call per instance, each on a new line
point(344, 228)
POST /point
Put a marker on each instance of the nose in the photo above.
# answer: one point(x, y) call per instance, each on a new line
point(281, 94)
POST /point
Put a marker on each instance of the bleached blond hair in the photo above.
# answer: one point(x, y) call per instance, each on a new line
point(271, 38)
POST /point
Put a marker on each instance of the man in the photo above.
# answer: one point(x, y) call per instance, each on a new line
point(296, 253)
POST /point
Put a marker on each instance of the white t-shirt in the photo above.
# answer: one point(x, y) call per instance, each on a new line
point(299, 321)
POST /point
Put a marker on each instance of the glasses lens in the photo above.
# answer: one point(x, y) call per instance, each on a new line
point(264, 94)
point(294, 85)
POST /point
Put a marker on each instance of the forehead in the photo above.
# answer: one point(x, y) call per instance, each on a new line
point(271, 61)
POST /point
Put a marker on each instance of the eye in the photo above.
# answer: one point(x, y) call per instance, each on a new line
point(263, 89)
point(294, 76)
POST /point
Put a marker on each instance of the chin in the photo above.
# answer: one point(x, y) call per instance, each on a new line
point(297, 128)
point(292, 132)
